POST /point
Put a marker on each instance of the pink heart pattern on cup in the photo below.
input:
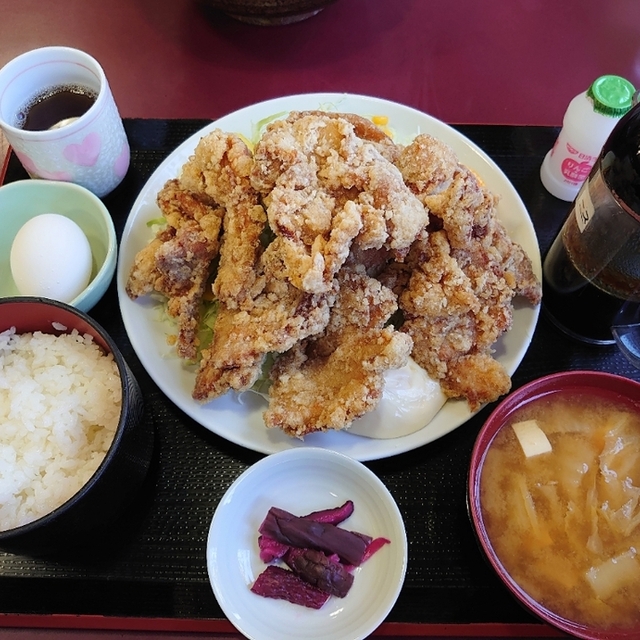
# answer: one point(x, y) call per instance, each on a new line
point(121, 164)
point(33, 170)
point(86, 153)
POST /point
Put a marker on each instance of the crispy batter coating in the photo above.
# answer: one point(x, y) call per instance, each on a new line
point(463, 279)
point(316, 394)
point(427, 166)
point(454, 320)
point(362, 302)
point(459, 202)
point(363, 128)
point(481, 377)
point(279, 318)
point(326, 190)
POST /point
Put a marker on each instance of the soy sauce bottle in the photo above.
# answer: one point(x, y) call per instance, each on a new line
point(593, 266)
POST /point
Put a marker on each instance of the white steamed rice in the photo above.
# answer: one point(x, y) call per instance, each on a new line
point(60, 399)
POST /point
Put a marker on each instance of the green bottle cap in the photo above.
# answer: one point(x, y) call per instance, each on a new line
point(611, 95)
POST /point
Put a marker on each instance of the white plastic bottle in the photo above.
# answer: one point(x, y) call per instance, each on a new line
point(587, 123)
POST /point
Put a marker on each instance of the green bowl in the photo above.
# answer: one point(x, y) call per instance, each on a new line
point(22, 200)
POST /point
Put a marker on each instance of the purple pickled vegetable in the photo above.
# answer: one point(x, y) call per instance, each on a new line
point(375, 545)
point(276, 582)
point(286, 528)
point(319, 571)
point(320, 555)
point(336, 515)
point(271, 549)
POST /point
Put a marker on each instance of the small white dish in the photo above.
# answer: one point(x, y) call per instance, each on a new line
point(300, 481)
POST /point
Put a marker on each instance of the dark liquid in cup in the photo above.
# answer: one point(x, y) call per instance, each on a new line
point(55, 105)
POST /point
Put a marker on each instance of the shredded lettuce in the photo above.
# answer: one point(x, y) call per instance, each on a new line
point(208, 316)
point(259, 126)
point(157, 222)
point(208, 313)
point(262, 384)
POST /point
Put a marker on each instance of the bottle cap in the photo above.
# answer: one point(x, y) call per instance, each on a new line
point(611, 95)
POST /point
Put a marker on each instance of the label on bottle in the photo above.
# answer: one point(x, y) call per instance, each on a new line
point(583, 208)
point(576, 165)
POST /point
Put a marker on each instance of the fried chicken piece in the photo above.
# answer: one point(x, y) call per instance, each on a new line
point(516, 266)
point(178, 262)
point(185, 264)
point(230, 362)
point(144, 271)
point(179, 205)
point(328, 381)
point(220, 167)
point(466, 210)
point(180, 208)
point(459, 297)
point(477, 236)
point(280, 317)
point(364, 128)
point(235, 282)
point(427, 166)
point(455, 317)
point(326, 190)
point(362, 302)
point(481, 376)
point(317, 394)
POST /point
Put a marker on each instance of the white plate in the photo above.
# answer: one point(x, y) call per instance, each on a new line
point(242, 423)
point(323, 479)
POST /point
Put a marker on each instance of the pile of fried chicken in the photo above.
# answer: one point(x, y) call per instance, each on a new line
point(342, 254)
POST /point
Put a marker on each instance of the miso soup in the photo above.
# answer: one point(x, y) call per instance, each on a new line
point(566, 523)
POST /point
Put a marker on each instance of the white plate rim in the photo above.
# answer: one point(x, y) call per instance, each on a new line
point(241, 423)
point(231, 585)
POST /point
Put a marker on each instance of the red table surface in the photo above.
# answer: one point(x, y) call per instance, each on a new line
point(469, 61)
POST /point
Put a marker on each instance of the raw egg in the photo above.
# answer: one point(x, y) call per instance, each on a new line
point(51, 257)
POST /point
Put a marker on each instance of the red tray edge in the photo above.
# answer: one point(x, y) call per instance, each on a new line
point(386, 629)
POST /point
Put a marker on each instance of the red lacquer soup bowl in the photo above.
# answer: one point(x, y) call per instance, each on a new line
point(555, 501)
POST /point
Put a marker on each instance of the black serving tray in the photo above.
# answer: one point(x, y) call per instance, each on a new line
point(151, 563)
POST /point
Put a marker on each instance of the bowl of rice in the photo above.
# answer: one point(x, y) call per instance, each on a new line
point(73, 446)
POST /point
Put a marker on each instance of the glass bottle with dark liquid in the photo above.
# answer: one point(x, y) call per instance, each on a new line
point(593, 267)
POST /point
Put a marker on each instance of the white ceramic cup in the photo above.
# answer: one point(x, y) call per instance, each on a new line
point(92, 150)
